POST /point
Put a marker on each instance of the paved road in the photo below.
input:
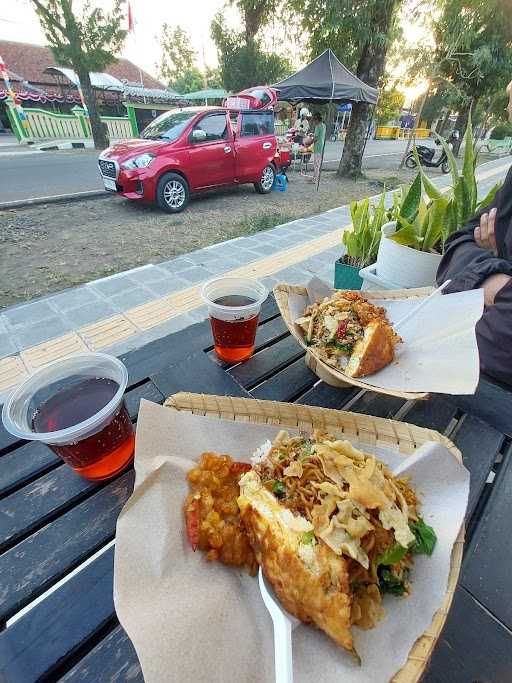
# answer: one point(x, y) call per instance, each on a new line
point(28, 173)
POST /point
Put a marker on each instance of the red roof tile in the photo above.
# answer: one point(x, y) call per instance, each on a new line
point(29, 61)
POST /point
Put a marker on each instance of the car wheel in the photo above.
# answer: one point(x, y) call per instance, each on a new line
point(172, 193)
point(267, 180)
point(410, 162)
point(445, 167)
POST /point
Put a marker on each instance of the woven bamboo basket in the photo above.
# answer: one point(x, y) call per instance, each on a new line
point(365, 429)
point(326, 372)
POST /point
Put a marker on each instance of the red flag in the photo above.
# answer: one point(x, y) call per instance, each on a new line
point(130, 19)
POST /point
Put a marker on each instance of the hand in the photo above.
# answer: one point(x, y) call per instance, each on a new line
point(485, 235)
point(492, 285)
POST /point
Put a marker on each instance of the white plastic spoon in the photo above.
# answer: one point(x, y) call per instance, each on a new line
point(421, 305)
point(284, 623)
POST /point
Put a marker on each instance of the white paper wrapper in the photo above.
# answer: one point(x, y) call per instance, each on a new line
point(439, 353)
point(193, 621)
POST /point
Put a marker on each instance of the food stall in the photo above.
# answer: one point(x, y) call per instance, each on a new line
point(325, 80)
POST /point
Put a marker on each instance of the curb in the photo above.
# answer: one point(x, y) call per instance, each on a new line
point(51, 147)
point(56, 199)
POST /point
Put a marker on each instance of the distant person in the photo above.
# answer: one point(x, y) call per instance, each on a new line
point(480, 256)
point(318, 144)
point(302, 126)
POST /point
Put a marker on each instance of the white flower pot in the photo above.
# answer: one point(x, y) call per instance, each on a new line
point(402, 265)
point(372, 282)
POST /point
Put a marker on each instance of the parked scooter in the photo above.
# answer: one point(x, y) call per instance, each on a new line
point(426, 156)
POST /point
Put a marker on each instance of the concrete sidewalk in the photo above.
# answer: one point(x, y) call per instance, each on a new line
point(127, 310)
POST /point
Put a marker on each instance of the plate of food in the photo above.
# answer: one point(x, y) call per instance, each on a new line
point(350, 338)
point(359, 541)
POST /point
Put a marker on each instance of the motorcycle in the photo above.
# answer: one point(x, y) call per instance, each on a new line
point(426, 155)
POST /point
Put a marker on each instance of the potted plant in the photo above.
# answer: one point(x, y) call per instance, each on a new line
point(361, 243)
point(423, 217)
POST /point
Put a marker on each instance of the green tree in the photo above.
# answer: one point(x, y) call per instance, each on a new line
point(390, 102)
point(189, 81)
point(213, 78)
point(437, 101)
point(178, 57)
point(244, 63)
point(360, 33)
point(472, 59)
point(255, 14)
point(86, 43)
point(178, 66)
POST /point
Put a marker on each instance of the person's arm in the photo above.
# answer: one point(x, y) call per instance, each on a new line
point(471, 257)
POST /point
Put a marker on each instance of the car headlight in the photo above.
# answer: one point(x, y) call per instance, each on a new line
point(141, 161)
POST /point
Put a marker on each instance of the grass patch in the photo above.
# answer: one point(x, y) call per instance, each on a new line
point(267, 221)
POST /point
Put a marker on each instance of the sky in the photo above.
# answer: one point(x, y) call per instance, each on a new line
point(18, 21)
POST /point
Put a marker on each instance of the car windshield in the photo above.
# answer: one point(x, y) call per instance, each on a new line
point(168, 126)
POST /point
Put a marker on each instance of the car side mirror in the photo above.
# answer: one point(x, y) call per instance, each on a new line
point(198, 135)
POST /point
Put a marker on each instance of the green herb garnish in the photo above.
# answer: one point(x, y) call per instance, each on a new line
point(393, 555)
point(346, 348)
point(306, 451)
point(278, 488)
point(308, 537)
point(425, 538)
point(389, 583)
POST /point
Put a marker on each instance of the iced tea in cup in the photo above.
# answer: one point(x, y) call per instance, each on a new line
point(234, 305)
point(76, 407)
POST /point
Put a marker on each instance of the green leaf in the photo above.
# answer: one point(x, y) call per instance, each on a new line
point(389, 583)
point(487, 200)
point(429, 187)
point(450, 221)
point(279, 489)
point(410, 204)
point(308, 537)
point(468, 168)
point(462, 202)
point(346, 348)
point(434, 231)
point(406, 235)
point(451, 159)
point(393, 555)
point(425, 538)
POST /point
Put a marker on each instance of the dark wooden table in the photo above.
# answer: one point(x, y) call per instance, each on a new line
point(57, 530)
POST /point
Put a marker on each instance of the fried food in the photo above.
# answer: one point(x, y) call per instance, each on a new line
point(310, 581)
point(212, 515)
point(330, 525)
point(350, 333)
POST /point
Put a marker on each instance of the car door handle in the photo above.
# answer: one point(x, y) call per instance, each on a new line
point(227, 149)
point(267, 145)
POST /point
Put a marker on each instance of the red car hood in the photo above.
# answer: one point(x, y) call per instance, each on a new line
point(130, 148)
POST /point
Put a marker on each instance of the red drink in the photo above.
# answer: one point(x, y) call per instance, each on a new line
point(234, 305)
point(99, 455)
point(234, 339)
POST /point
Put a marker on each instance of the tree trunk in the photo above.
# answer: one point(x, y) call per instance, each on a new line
point(369, 69)
point(99, 129)
point(440, 128)
point(350, 164)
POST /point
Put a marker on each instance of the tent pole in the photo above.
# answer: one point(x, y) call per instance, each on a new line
point(322, 158)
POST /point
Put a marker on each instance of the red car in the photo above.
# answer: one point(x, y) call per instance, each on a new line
point(191, 149)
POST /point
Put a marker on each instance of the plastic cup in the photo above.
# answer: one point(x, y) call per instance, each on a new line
point(234, 305)
point(76, 407)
